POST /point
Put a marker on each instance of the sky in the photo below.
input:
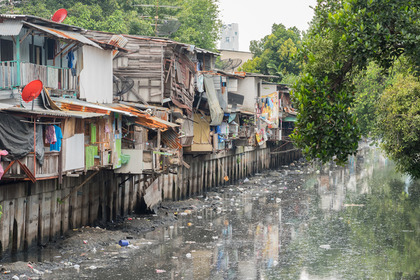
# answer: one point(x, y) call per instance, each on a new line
point(255, 17)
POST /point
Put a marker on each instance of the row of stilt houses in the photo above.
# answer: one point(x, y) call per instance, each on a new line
point(137, 110)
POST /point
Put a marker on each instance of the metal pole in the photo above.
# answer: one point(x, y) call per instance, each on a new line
point(157, 16)
point(34, 146)
point(18, 60)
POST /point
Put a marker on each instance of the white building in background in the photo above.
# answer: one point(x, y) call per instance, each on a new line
point(230, 37)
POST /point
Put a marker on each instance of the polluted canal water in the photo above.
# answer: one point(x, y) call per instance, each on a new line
point(300, 221)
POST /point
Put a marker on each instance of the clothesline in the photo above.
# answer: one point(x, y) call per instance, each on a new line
point(51, 123)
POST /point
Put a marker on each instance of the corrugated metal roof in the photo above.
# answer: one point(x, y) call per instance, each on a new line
point(144, 119)
point(69, 35)
point(164, 122)
point(171, 139)
point(53, 113)
point(43, 21)
point(12, 16)
point(72, 104)
point(258, 75)
point(10, 27)
point(246, 112)
point(5, 106)
point(119, 41)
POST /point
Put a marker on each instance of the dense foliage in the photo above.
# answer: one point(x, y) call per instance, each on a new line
point(399, 122)
point(197, 19)
point(345, 36)
point(369, 86)
point(274, 54)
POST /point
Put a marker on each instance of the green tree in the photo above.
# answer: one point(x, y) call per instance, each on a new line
point(369, 86)
point(344, 37)
point(274, 54)
point(200, 25)
point(399, 123)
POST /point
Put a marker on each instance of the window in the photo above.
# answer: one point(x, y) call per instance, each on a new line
point(227, 39)
point(236, 33)
point(6, 50)
point(35, 55)
point(50, 48)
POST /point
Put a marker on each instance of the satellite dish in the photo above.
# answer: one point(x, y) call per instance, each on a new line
point(123, 85)
point(32, 91)
point(229, 64)
point(168, 27)
point(59, 16)
point(235, 63)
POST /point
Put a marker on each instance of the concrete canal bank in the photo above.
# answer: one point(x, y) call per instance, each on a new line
point(38, 213)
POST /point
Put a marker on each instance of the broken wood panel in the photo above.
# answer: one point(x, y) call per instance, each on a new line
point(153, 195)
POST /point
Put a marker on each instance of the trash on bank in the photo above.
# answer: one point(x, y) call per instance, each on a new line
point(77, 267)
point(123, 242)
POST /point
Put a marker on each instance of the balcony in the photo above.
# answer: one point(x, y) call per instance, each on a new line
point(52, 77)
point(24, 168)
point(8, 76)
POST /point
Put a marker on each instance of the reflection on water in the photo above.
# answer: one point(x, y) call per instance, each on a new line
point(356, 222)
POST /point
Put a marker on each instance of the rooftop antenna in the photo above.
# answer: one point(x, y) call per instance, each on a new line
point(173, 29)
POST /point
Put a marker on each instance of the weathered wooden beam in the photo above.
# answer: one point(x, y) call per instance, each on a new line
point(81, 185)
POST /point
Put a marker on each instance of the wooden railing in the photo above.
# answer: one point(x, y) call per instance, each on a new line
point(50, 168)
point(52, 77)
point(8, 74)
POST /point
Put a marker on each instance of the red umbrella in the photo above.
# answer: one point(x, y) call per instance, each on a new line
point(59, 16)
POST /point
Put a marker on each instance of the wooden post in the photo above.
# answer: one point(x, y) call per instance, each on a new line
point(18, 81)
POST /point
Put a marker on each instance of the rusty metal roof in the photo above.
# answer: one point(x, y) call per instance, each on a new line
point(73, 104)
point(68, 35)
point(171, 139)
point(144, 119)
point(53, 113)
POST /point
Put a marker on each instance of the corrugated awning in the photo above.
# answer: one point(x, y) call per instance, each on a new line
point(62, 34)
point(72, 104)
point(10, 27)
point(53, 113)
point(171, 139)
point(246, 113)
point(144, 119)
point(290, 119)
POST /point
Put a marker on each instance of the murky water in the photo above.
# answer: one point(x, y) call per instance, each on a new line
point(357, 222)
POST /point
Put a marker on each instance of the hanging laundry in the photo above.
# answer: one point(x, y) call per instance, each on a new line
point(59, 135)
point(50, 137)
point(70, 59)
point(2, 153)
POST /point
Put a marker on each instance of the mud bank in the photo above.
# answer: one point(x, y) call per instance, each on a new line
point(87, 250)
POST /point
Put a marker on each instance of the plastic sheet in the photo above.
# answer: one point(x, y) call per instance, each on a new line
point(216, 111)
point(18, 138)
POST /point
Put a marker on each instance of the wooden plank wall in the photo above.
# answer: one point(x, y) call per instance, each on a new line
point(33, 213)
